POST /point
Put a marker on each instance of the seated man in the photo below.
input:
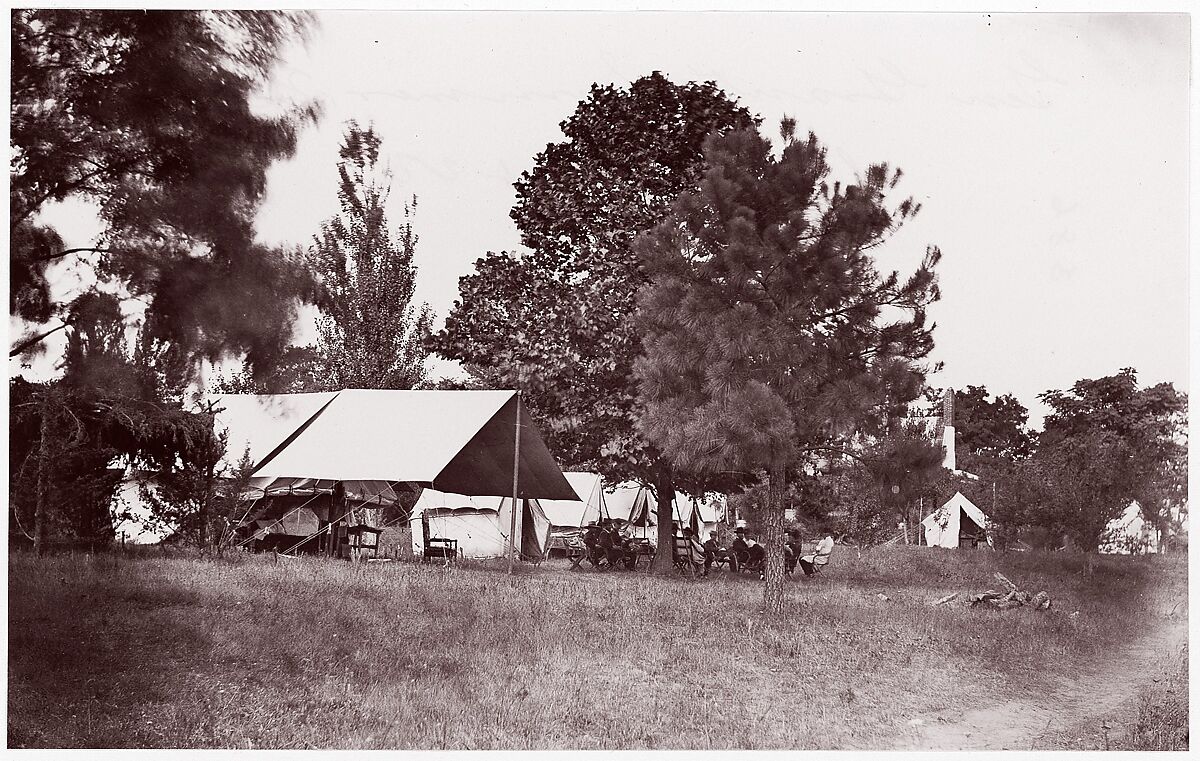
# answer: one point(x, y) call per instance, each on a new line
point(739, 551)
point(791, 550)
point(820, 556)
point(713, 552)
point(756, 559)
point(591, 540)
point(615, 548)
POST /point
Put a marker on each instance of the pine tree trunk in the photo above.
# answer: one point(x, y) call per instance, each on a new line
point(664, 488)
point(773, 539)
point(41, 505)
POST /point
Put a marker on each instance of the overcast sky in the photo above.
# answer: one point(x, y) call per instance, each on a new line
point(1050, 152)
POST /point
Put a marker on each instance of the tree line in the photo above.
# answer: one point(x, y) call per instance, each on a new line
point(695, 306)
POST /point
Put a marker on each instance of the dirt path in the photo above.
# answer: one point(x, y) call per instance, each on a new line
point(1094, 695)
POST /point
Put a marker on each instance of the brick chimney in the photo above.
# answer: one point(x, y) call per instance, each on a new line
point(948, 441)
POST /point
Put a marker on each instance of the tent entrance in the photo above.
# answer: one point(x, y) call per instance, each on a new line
point(969, 532)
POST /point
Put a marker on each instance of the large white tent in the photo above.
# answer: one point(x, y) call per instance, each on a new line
point(959, 516)
point(376, 444)
point(459, 441)
point(480, 525)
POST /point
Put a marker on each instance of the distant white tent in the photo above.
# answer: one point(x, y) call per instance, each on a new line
point(480, 525)
point(1130, 534)
point(954, 522)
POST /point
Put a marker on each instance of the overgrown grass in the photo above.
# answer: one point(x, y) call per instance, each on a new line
point(111, 651)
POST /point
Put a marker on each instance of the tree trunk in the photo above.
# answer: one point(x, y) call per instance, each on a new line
point(41, 504)
point(773, 539)
point(664, 489)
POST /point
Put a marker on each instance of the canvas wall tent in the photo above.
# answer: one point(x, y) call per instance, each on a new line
point(952, 524)
point(1130, 534)
point(461, 442)
point(480, 525)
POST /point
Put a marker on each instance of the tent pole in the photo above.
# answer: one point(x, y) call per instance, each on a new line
point(512, 529)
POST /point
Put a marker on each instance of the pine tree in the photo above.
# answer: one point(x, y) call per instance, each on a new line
point(765, 334)
point(369, 335)
point(556, 321)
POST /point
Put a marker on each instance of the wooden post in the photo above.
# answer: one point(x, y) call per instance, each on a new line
point(512, 528)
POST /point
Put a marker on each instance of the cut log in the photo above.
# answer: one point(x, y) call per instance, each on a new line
point(945, 599)
point(1041, 601)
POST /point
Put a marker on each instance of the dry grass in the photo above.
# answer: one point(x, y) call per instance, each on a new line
point(110, 651)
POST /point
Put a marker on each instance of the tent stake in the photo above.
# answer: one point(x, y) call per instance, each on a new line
point(512, 529)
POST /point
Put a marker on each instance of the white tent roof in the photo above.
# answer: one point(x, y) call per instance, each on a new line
point(461, 441)
point(967, 506)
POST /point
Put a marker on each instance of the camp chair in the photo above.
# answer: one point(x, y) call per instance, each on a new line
point(437, 546)
point(688, 555)
point(577, 551)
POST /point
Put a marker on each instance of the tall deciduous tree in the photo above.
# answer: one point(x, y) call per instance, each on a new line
point(555, 321)
point(766, 339)
point(1108, 442)
point(991, 428)
point(370, 334)
point(147, 115)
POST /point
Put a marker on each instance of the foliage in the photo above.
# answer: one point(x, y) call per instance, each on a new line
point(765, 337)
point(555, 320)
point(991, 428)
point(200, 502)
point(89, 432)
point(147, 115)
point(1106, 443)
point(369, 335)
point(298, 370)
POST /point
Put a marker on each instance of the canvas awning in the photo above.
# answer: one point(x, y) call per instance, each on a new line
point(454, 441)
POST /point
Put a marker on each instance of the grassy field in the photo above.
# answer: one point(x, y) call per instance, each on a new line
point(113, 651)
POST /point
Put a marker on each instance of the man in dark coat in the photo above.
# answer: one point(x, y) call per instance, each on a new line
point(616, 548)
point(712, 552)
point(739, 551)
point(792, 550)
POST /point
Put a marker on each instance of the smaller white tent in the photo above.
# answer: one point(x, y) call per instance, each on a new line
point(565, 514)
point(958, 518)
point(708, 513)
point(480, 525)
point(1129, 534)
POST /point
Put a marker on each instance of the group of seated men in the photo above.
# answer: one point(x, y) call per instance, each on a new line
point(745, 554)
point(607, 547)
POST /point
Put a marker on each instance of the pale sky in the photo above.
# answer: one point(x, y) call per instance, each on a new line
point(1050, 152)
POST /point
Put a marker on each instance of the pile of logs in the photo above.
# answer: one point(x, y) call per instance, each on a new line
point(1013, 598)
